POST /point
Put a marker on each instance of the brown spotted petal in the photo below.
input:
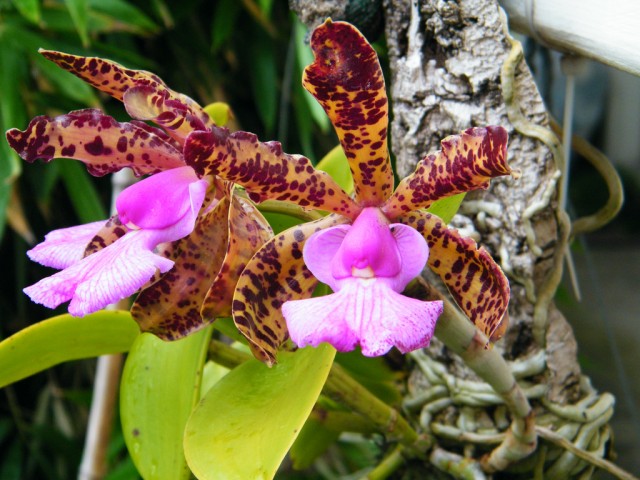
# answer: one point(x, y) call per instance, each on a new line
point(156, 103)
point(96, 139)
point(466, 162)
point(170, 307)
point(474, 279)
point(248, 231)
point(275, 274)
point(112, 230)
point(347, 80)
point(265, 170)
point(114, 79)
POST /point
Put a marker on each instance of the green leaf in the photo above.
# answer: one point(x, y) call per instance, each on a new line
point(219, 112)
point(264, 78)
point(280, 222)
point(247, 422)
point(305, 57)
point(79, 11)
point(446, 208)
point(63, 338)
point(226, 326)
point(224, 22)
point(82, 191)
point(335, 164)
point(373, 373)
point(29, 9)
point(160, 386)
point(313, 441)
point(125, 13)
point(12, 113)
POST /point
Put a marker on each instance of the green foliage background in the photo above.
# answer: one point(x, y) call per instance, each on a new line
point(247, 53)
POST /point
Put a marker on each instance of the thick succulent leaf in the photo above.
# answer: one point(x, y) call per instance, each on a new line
point(347, 80)
point(96, 139)
point(474, 279)
point(276, 273)
point(248, 231)
point(466, 162)
point(246, 423)
point(265, 170)
point(170, 307)
point(159, 389)
point(64, 338)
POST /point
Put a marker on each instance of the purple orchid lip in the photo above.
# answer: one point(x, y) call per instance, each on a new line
point(159, 201)
point(367, 264)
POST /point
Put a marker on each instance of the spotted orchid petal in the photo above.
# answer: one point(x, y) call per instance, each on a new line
point(466, 162)
point(347, 80)
point(247, 232)
point(170, 307)
point(275, 274)
point(365, 312)
point(96, 139)
point(111, 231)
point(123, 266)
point(66, 246)
point(115, 80)
point(475, 281)
point(156, 103)
point(265, 170)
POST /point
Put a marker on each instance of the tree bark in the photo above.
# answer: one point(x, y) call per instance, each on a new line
point(453, 67)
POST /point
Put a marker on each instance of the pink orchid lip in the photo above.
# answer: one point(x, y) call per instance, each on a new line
point(161, 200)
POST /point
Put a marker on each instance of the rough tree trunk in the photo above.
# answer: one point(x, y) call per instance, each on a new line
point(446, 60)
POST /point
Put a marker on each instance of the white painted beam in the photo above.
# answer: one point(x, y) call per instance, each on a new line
point(608, 32)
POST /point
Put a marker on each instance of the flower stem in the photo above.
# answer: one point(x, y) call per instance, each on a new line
point(388, 465)
point(460, 335)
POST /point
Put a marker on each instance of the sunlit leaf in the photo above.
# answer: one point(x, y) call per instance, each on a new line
point(312, 442)
point(335, 164)
point(446, 208)
point(63, 338)
point(247, 422)
point(160, 386)
point(219, 112)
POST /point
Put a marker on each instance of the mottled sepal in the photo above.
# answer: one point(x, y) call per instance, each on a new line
point(265, 170)
point(275, 274)
point(96, 139)
point(248, 231)
point(111, 231)
point(170, 307)
point(466, 162)
point(157, 104)
point(347, 80)
point(475, 281)
point(115, 79)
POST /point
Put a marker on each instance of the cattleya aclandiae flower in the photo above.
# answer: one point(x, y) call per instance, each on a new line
point(186, 237)
point(371, 246)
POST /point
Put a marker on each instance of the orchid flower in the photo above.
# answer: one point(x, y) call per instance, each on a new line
point(174, 233)
point(370, 246)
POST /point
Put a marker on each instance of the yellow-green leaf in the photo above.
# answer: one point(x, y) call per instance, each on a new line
point(160, 386)
point(446, 208)
point(335, 164)
point(219, 112)
point(63, 338)
point(247, 422)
